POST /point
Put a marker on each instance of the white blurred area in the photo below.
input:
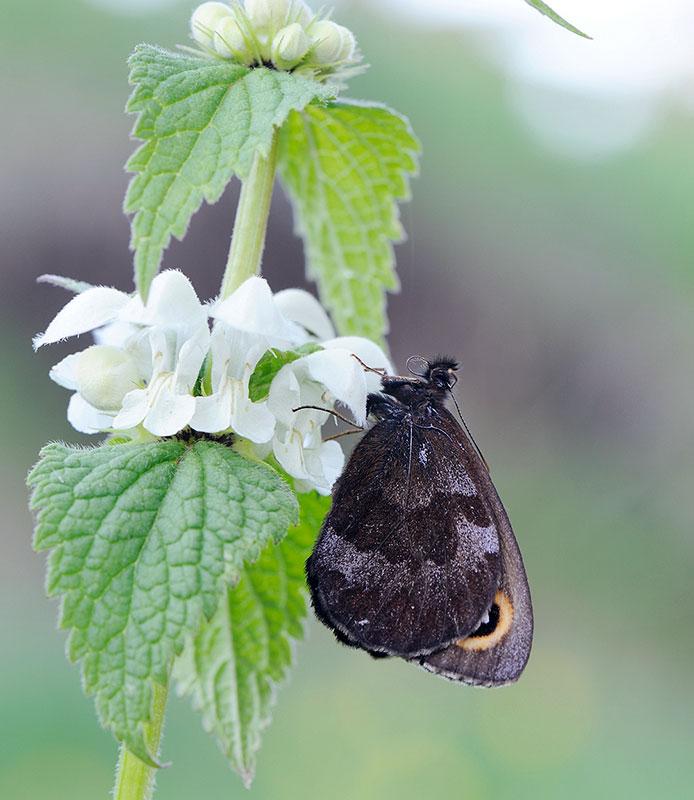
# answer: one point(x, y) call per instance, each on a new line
point(583, 99)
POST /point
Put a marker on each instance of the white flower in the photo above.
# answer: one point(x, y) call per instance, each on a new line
point(146, 363)
point(144, 377)
point(178, 336)
point(247, 324)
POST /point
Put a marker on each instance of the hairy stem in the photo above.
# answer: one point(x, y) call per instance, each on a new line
point(134, 778)
point(248, 239)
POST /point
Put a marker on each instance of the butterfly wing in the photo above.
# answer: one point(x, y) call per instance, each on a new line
point(497, 652)
point(408, 558)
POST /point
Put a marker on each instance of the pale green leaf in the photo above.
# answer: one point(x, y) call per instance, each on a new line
point(202, 121)
point(142, 539)
point(345, 166)
point(270, 364)
point(543, 8)
point(232, 668)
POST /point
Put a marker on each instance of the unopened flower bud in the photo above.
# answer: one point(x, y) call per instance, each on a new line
point(289, 46)
point(205, 20)
point(104, 375)
point(301, 13)
point(267, 16)
point(349, 44)
point(328, 41)
point(230, 42)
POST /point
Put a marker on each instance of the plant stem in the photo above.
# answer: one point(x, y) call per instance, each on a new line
point(248, 238)
point(134, 778)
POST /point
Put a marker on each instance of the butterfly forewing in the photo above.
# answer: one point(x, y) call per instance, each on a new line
point(408, 559)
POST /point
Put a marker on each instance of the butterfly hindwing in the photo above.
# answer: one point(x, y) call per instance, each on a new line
point(498, 651)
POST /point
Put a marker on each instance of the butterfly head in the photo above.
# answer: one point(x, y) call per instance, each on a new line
point(439, 373)
point(442, 373)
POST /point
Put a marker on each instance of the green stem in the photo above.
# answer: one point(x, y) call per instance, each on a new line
point(248, 239)
point(134, 778)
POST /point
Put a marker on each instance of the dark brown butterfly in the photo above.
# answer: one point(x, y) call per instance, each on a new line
point(416, 557)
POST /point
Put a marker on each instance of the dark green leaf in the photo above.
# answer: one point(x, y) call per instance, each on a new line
point(232, 668)
point(142, 539)
point(202, 122)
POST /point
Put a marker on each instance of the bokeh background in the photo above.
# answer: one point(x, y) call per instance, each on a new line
point(549, 247)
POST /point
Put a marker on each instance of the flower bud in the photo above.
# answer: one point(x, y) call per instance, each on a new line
point(204, 21)
point(104, 375)
point(349, 44)
point(267, 16)
point(230, 42)
point(301, 13)
point(289, 46)
point(328, 40)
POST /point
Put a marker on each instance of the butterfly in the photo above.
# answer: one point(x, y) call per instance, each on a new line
point(416, 557)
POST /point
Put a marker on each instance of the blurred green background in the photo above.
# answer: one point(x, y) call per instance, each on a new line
point(563, 281)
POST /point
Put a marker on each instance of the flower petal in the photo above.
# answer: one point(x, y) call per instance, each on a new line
point(343, 376)
point(292, 387)
point(369, 352)
point(303, 308)
point(133, 411)
point(85, 418)
point(289, 452)
point(170, 412)
point(190, 358)
point(284, 395)
point(83, 313)
point(115, 334)
point(171, 303)
point(213, 413)
point(64, 372)
point(253, 421)
point(251, 308)
point(324, 464)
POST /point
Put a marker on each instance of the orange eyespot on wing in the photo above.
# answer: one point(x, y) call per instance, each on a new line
point(494, 630)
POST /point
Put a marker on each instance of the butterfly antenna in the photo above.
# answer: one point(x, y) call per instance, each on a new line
point(470, 436)
point(334, 413)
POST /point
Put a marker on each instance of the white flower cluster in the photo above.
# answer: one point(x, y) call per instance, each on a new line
point(157, 368)
point(285, 33)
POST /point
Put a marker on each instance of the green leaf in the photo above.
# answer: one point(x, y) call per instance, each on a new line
point(202, 121)
point(543, 8)
point(344, 167)
point(232, 668)
point(142, 538)
point(270, 364)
